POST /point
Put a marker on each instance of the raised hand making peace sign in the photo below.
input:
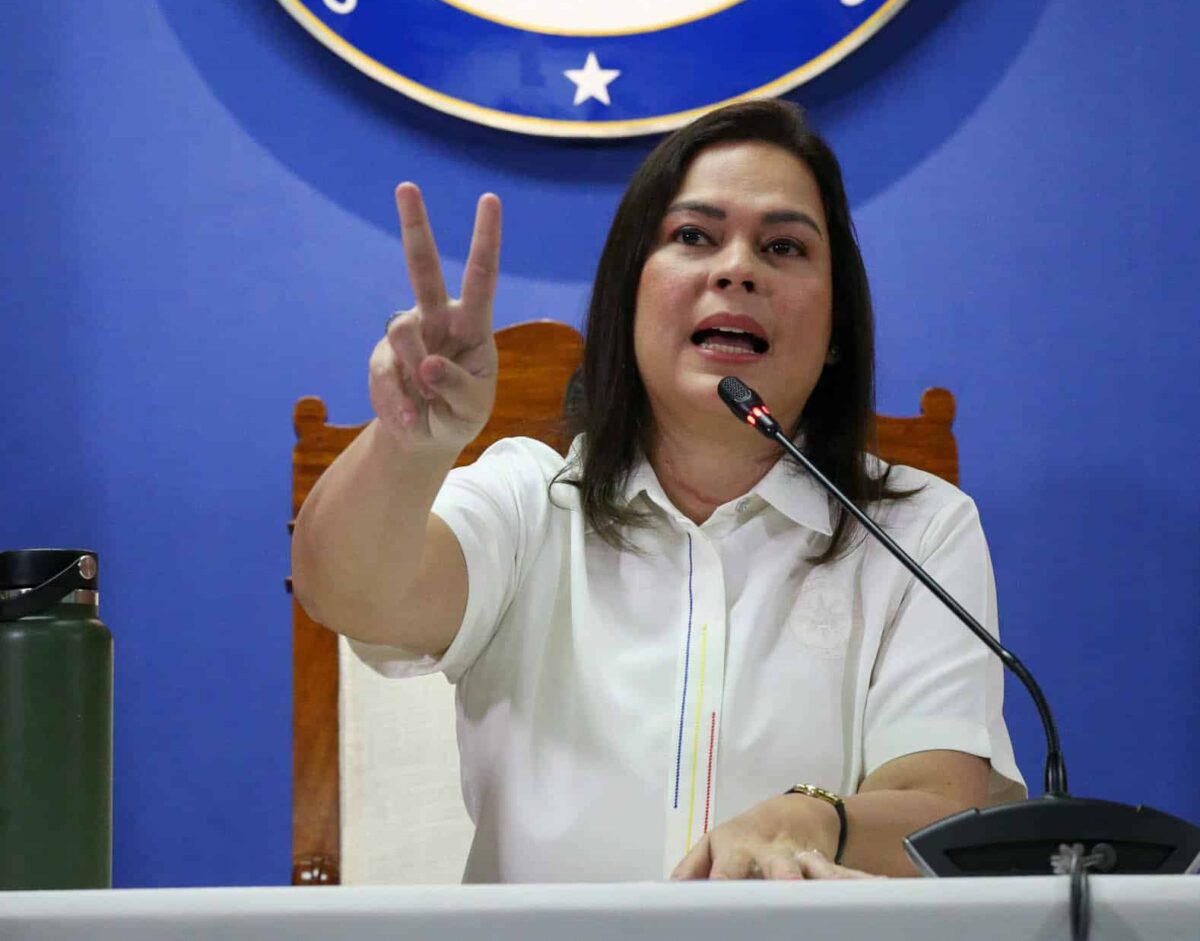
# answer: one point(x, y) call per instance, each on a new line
point(433, 376)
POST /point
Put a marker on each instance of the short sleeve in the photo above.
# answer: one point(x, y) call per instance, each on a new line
point(496, 508)
point(935, 685)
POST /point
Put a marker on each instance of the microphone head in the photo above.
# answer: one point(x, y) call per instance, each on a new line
point(745, 403)
point(737, 395)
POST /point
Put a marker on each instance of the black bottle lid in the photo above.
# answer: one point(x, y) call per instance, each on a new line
point(31, 580)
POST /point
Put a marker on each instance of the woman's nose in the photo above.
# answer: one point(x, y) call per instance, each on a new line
point(734, 267)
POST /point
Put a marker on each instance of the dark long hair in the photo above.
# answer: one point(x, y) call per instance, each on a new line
point(837, 422)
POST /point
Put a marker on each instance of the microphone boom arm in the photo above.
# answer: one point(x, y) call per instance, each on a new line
point(1023, 837)
point(746, 404)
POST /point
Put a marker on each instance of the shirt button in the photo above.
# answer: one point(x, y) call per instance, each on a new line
point(743, 505)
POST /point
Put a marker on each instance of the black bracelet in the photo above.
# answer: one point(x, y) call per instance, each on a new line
point(830, 798)
point(841, 812)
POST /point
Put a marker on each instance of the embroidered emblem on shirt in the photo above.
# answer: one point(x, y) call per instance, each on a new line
point(821, 618)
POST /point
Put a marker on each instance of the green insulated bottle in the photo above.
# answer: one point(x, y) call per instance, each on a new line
point(55, 723)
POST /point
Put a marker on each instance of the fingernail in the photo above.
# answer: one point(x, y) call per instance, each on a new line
point(435, 371)
point(408, 419)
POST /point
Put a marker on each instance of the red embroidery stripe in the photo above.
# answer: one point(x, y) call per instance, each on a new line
point(712, 736)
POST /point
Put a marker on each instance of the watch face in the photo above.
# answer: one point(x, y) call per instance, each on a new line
point(608, 69)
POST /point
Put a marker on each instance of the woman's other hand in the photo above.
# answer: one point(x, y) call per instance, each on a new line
point(433, 375)
point(785, 837)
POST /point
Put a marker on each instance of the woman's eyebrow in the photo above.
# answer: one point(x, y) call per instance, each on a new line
point(770, 218)
point(693, 205)
point(791, 215)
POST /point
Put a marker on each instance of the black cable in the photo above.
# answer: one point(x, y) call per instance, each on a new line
point(1081, 909)
point(1072, 861)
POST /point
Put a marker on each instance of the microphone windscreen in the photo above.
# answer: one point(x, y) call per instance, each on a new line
point(736, 394)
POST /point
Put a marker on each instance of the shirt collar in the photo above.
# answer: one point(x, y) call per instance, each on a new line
point(786, 487)
point(792, 491)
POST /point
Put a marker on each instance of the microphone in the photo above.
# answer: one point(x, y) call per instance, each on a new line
point(1024, 837)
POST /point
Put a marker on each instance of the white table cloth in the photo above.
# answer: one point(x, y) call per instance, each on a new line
point(1125, 908)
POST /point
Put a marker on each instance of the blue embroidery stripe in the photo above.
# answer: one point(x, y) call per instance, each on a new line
point(687, 659)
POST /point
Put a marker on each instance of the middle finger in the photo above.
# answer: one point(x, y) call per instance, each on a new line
point(735, 864)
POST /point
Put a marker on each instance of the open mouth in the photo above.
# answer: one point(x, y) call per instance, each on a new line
point(730, 340)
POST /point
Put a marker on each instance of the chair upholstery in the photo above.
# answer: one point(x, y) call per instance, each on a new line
point(376, 795)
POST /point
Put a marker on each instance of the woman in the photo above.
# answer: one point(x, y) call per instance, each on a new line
point(657, 637)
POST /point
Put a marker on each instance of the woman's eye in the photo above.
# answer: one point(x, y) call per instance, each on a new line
point(690, 235)
point(784, 247)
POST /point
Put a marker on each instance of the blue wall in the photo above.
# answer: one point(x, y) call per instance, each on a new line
point(200, 230)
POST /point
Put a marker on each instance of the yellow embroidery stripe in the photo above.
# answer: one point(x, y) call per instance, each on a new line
point(696, 738)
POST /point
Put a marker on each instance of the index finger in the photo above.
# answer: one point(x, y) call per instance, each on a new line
point(483, 260)
point(420, 250)
point(697, 863)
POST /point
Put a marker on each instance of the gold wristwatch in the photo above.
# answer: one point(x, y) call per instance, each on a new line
point(829, 797)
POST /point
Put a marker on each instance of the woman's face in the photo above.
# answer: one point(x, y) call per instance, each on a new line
point(737, 283)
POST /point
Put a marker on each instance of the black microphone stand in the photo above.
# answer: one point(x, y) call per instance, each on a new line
point(1029, 837)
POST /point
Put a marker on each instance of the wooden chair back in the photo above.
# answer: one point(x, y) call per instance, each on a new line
point(537, 361)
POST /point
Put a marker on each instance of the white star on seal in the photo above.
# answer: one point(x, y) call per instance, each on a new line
point(591, 81)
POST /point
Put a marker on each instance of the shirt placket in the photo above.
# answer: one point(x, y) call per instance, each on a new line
point(700, 685)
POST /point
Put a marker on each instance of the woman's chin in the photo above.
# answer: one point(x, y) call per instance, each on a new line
point(694, 395)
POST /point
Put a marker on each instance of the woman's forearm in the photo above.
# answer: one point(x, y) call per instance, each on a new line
point(877, 823)
point(361, 537)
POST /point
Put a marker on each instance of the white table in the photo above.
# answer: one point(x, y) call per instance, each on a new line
point(1124, 908)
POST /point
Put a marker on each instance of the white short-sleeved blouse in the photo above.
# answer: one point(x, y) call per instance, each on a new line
point(614, 706)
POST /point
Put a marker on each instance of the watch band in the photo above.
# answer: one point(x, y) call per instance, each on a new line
point(811, 790)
